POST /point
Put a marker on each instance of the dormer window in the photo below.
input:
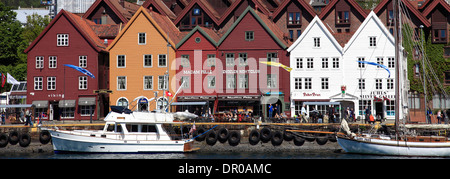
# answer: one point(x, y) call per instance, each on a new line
point(196, 12)
point(294, 18)
point(342, 17)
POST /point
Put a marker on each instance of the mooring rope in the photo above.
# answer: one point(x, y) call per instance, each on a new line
point(201, 133)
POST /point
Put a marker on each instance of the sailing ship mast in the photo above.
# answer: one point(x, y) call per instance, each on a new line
point(396, 4)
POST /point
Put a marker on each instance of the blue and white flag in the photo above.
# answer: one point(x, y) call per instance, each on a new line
point(376, 64)
point(82, 70)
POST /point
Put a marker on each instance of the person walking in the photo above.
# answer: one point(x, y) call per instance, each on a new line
point(270, 110)
point(439, 117)
point(303, 114)
point(28, 116)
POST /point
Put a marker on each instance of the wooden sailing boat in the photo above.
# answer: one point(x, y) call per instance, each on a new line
point(401, 144)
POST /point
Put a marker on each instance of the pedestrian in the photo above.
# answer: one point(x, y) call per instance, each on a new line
point(303, 114)
point(331, 114)
point(368, 113)
point(270, 110)
point(3, 118)
point(352, 115)
point(28, 118)
point(320, 120)
point(429, 113)
point(439, 117)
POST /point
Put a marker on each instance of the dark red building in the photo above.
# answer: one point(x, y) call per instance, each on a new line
point(59, 91)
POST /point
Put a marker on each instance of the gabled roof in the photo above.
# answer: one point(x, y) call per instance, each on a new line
point(371, 17)
point(422, 19)
point(208, 33)
point(263, 20)
point(308, 8)
point(316, 22)
point(82, 25)
point(236, 3)
point(160, 7)
point(352, 3)
point(118, 10)
point(433, 5)
point(161, 23)
point(204, 5)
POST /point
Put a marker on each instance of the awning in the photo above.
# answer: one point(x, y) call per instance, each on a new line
point(321, 103)
point(86, 101)
point(40, 104)
point(200, 103)
point(66, 103)
point(16, 106)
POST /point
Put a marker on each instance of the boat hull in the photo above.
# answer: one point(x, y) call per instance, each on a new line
point(69, 143)
point(390, 147)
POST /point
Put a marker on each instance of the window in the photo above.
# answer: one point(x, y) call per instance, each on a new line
point(308, 83)
point(86, 110)
point(142, 38)
point(413, 101)
point(211, 81)
point(185, 61)
point(161, 103)
point(230, 59)
point(122, 102)
point(391, 62)
point(335, 62)
point(231, 81)
point(324, 83)
point(161, 83)
point(186, 81)
point(390, 17)
point(82, 61)
point(291, 34)
point(298, 83)
point(211, 60)
point(62, 40)
point(361, 65)
point(272, 57)
point(249, 35)
point(378, 84)
point(324, 62)
point(309, 63)
point(439, 35)
point(372, 41)
point(196, 11)
point(38, 82)
point(294, 18)
point(390, 83)
point(390, 107)
point(299, 32)
point(68, 112)
point(243, 59)
point(39, 62)
point(362, 106)
point(361, 83)
point(243, 81)
point(51, 83)
point(379, 61)
point(148, 82)
point(162, 60)
point(121, 61)
point(52, 62)
point(343, 17)
point(271, 81)
point(82, 82)
point(148, 61)
point(299, 63)
point(121, 83)
point(316, 41)
point(447, 77)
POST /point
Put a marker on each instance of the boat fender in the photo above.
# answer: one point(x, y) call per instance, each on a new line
point(211, 138)
point(266, 134)
point(3, 140)
point(287, 136)
point(299, 141)
point(277, 138)
point(234, 138)
point(223, 135)
point(44, 137)
point(198, 133)
point(254, 137)
point(13, 137)
point(322, 140)
point(24, 139)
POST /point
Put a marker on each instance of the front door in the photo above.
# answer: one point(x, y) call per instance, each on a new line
point(379, 113)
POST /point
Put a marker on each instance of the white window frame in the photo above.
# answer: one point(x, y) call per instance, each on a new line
point(325, 85)
point(124, 61)
point(38, 83)
point(316, 42)
point(151, 60)
point(139, 38)
point(39, 62)
point(118, 85)
point(243, 81)
point(82, 61)
point(51, 83)
point(82, 83)
point(151, 79)
point(52, 61)
point(62, 40)
point(159, 60)
point(372, 41)
point(336, 62)
point(273, 81)
point(210, 79)
point(161, 80)
point(308, 83)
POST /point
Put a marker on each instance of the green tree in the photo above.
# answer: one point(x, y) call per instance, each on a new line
point(10, 36)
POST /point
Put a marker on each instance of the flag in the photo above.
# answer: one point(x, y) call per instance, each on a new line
point(278, 65)
point(376, 64)
point(10, 79)
point(3, 80)
point(82, 70)
point(169, 94)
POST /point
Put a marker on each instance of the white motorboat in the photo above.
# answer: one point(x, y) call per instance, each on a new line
point(125, 132)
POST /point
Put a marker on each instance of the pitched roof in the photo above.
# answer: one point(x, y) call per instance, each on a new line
point(353, 3)
point(161, 23)
point(208, 33)
point(204, 5)
point(265, 22)
point(316, 22)
point(384, 3)
point(433, 5)
point(118, 10)
point(235, 4)
point(283, 5)
point(161, 7)
point(371, 17)
point(79, 23)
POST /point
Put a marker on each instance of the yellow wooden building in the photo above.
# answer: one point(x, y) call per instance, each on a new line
point(140, 56)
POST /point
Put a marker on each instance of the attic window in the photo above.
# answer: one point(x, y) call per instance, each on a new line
point(198, 40)
point(62, 40)
point(342, 17)
point(249, 35)
point(142, 38)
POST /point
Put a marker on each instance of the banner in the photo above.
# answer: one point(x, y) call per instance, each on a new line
point(11, 80)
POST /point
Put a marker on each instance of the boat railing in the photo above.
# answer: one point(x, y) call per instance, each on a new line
point(117, 136)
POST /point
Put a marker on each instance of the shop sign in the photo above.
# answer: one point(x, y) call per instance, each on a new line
point(240, 71)
point(377, 94)
point(312, 94)
point(239, 97)
point(55, 95)
point(193, 72)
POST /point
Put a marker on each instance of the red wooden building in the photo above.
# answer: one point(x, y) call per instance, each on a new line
point(59, 91)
